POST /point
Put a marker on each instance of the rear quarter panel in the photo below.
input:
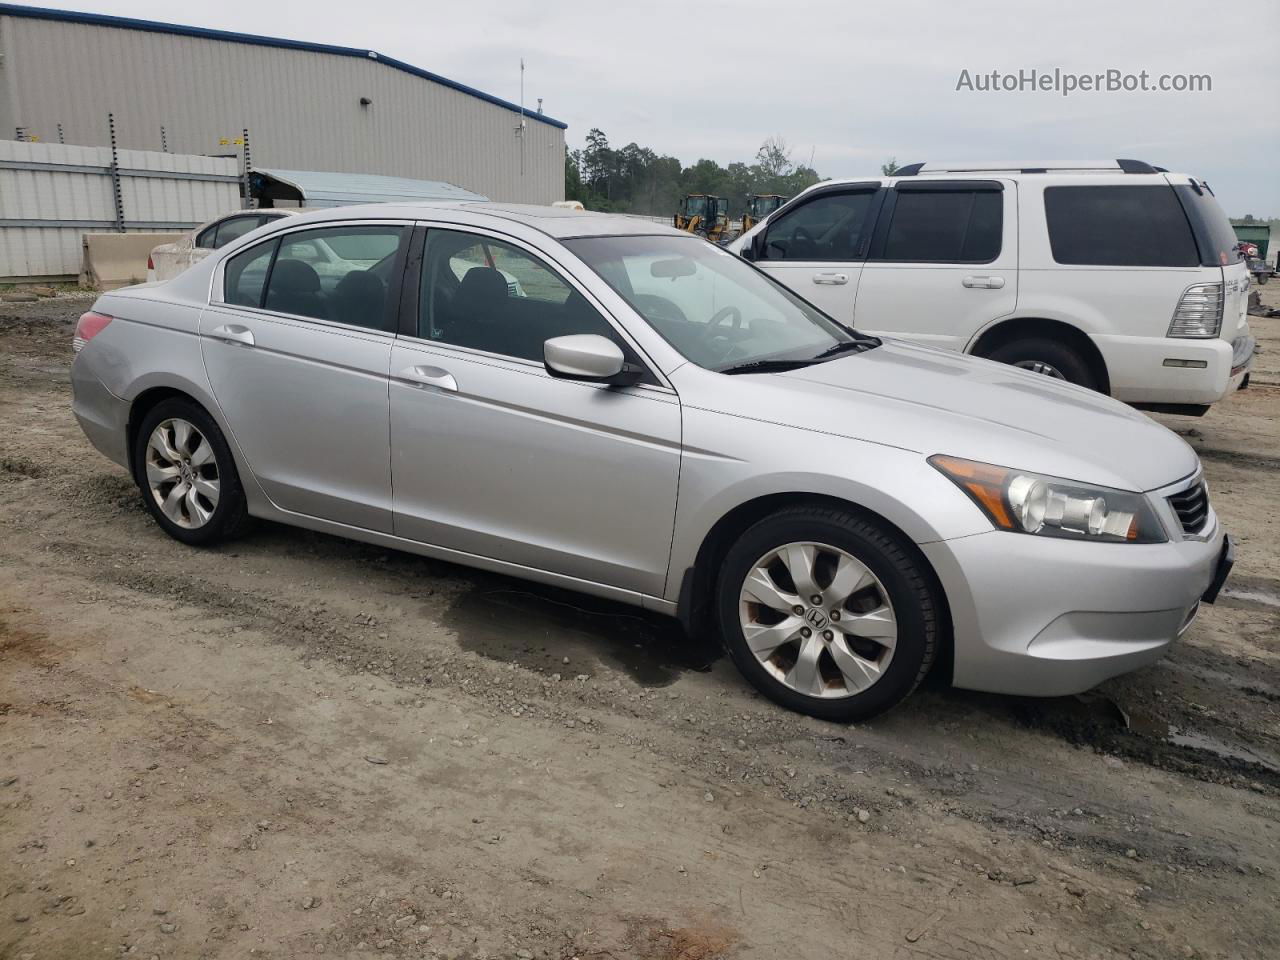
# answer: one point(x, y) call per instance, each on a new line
point(1119, 301)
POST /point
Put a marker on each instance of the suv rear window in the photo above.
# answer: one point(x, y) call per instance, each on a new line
point(1119, 226)
point(1212, 228)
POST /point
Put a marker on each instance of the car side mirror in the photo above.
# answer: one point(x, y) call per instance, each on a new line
point(589, 357)
point(754, 250)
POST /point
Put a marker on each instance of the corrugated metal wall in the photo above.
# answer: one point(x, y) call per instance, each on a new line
point(302, 108)
point(88, 195)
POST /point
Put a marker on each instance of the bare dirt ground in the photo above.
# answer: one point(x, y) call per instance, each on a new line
point(297, 745)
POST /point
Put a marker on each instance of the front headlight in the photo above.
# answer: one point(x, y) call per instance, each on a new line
point(1023, 502)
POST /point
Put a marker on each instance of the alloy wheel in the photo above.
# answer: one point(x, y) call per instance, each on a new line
point(1039, 366)
point(818, 620)
point(182, 473)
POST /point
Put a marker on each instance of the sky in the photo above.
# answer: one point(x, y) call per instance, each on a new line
point(846, 85)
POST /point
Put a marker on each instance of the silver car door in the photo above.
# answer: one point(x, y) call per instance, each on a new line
point(299, 367)
point(493, 456)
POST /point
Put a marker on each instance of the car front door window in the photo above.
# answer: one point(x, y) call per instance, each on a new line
point(486, 294)
point(831, 227)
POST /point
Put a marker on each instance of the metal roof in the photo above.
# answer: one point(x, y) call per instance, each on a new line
point(156, 26)
point(321, 189)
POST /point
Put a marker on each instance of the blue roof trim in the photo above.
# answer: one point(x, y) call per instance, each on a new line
point(155, 26)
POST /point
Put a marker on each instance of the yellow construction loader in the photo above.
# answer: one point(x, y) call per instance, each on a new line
point(759, 206)
point(703, 214)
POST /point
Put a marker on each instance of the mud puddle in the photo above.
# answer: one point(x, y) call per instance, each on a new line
point(1095, 720)
point(559, 632)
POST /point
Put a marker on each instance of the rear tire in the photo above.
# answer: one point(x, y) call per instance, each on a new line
point(187, 476)
point(854, 636)
point(1050, 357)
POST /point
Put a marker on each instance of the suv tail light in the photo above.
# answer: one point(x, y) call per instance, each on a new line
point(1199, 311)
point(87, 327)
point(151, 263)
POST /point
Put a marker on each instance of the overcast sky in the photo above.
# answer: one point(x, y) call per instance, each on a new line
point(845, 84)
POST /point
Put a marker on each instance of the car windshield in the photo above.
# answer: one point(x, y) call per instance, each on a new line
point(717, 310)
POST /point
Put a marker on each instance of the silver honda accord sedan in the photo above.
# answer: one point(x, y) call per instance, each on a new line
point(608, 405)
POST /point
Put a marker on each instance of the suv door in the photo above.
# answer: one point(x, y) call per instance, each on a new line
point(816, 245)
point(298, 364)
point(494, 457)
point(943, 261)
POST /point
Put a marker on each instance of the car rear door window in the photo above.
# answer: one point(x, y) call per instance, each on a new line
point(207, 238)
point(246, 275)
point(484, 294)
point(945, 226)
point(831, 227)
point(1119, 226)
point(341, 274)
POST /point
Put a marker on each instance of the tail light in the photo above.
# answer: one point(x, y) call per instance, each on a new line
point(151, 263)
point(87, 327)
point(1199, 311)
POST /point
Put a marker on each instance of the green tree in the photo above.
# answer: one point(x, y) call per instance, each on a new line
point(889, 167)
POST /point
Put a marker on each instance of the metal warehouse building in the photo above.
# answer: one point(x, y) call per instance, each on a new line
point(307, 106)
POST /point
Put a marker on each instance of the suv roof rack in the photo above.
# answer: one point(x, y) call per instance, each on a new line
point(1125, 166)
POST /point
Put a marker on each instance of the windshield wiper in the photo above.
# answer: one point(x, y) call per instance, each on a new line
point(779, 366)
point(848, 346)
point(766, 366)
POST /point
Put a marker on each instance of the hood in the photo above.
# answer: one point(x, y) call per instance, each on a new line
point(935, 401)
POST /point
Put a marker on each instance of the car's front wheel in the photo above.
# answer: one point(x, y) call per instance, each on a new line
point(187, 476)
point(827, 613)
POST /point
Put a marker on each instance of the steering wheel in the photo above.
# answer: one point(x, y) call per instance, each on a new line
point(802, 243)
point(658, 309)
point(721, 315)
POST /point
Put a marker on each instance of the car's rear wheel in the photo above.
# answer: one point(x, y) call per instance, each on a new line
point(187, 476)
point(1051, 358)
point(825, 612)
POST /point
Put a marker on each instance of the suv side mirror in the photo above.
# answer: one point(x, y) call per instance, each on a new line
point(589, 357)
point(754, 250)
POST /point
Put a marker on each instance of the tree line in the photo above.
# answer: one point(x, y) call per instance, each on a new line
point(635, 179)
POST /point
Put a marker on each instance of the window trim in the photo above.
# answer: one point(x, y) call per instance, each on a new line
point(877, 189)
point(880, 238)
point(218, 290)
point(408, 328)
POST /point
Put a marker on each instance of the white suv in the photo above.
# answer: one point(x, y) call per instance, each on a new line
point(1118, 276)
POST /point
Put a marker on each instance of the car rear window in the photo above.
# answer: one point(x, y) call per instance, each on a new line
point(1119, 226)
point(1210, 224)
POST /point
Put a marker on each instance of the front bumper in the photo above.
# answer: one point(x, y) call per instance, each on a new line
point(1036, 616)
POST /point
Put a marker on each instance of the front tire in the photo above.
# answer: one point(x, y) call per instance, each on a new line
point(1052, 358)
point(826, 613)
point(187, 476)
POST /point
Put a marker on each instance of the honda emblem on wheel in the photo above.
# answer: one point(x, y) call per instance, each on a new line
point(816, 618)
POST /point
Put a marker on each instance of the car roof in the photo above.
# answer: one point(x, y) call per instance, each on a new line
point(558, 222)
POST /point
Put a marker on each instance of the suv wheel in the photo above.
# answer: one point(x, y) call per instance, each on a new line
point(826, 613)
point(188, 479)
point(1051, 358)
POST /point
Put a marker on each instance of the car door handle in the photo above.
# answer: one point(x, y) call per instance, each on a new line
point(424, 376)
point(233, 333)
point(832, 278)
point(984, 283)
